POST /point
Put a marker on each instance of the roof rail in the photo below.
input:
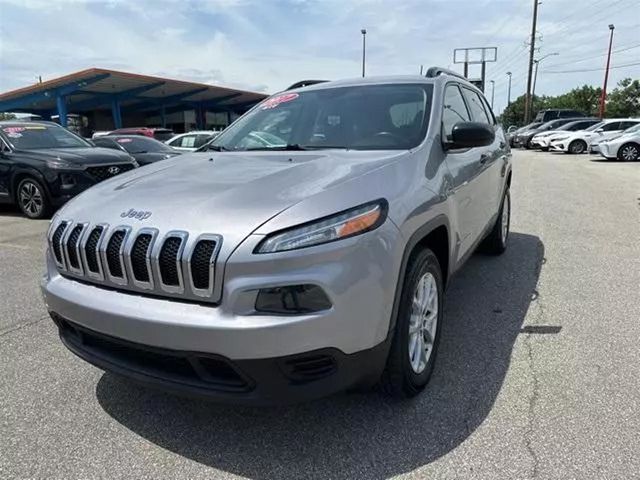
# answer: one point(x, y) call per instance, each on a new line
point(305, 83)
point(435, 71)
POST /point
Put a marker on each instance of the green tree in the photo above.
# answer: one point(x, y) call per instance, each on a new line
point(624, 100)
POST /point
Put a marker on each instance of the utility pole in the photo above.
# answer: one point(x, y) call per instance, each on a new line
point(493, 91)
point(364, 45)
point(603, 98)
point(532, 46)
point(509, 94)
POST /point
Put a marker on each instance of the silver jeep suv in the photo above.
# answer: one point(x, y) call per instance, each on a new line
point(306, 251)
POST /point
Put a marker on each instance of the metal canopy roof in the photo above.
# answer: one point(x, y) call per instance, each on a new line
point(96, 89)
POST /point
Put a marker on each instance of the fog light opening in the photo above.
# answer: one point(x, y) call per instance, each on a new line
point(292, 300)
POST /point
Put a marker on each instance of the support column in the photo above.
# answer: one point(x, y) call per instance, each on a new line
point(163, 117)
point(61, 103)
point(116, 114)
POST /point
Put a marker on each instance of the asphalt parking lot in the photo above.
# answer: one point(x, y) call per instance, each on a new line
point(538, 374)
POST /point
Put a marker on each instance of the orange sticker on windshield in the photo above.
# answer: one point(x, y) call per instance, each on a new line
point(273, 102)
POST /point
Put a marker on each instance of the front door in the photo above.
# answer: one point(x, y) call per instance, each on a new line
point(464, 166)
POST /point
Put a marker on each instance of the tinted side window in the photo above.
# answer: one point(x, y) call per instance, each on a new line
point(475, 105)
point(581, 126)
point(609, 127)
point(625, 125)
point(201, 140)
point(454, 110)
point(106, 143)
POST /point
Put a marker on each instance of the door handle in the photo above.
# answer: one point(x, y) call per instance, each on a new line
point(484, 158)
point(502, 144)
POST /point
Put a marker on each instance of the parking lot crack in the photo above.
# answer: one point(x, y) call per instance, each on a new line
point(13, 328)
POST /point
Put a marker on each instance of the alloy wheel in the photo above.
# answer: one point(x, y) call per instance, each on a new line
point(31, 198)
point(630, 153)
point(423, 322)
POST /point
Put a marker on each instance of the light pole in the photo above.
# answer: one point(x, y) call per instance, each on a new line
point(493, 90)
point(535, 76)
point(509, 91)
point(364, 46)
point(603, 98)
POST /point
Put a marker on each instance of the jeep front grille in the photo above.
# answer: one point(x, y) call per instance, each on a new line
point(171, 264)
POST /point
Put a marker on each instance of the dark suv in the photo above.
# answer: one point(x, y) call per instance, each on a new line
point(42, 165)
point(552, 114)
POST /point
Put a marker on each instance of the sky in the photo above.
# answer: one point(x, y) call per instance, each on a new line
point(266, 45)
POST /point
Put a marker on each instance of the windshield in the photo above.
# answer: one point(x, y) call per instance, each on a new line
point(375, 117)
point(140, 144)
point(531, 126)
point(34, 136)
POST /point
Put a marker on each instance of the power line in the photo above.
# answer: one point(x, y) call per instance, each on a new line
point(620, 50)
point(592, 69)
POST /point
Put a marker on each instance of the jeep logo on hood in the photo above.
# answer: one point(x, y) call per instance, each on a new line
point(137, 214)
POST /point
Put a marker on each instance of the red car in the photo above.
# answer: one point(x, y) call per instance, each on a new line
point(160, 134)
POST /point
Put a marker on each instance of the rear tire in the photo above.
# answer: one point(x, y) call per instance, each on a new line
point(496, 241)
point(577, 147)
point(32, 199)
point(629, 152)
point(417, 331)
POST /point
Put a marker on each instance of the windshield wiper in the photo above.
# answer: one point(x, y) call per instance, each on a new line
point(278, 148)
point(215, 148)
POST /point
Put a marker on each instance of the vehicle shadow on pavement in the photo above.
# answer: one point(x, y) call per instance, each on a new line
point(359, 435)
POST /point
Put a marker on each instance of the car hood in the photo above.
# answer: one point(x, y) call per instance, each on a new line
point(79, 156)
point(231, 194)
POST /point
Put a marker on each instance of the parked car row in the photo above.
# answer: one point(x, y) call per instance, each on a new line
point(184, 142)
point(613, 138)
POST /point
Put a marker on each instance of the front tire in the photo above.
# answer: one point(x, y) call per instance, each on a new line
point(32, 199)
point(417, 332)
point(629, 152)
point(577, 147)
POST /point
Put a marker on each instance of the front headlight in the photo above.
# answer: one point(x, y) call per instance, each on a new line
point(348, 223)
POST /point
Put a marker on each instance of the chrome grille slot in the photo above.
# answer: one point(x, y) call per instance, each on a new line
point(71, 246)
point(91, 250)
point(113, 253)
point(56, 243)
point(201, 264)
point(140, 256)
point(169, 261)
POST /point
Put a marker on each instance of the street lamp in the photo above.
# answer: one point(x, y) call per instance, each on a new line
point(603, 98)
point(364, 45)
point(493, 90)
point(509, 94)
point(535, 76)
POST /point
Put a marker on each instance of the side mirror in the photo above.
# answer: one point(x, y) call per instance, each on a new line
point(471, 134)
point(512, 129)
point(599, 130)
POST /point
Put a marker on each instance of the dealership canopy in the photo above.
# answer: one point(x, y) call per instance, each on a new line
point(100, 89)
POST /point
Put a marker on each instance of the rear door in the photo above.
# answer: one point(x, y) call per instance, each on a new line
point(465, 168)
point(490, 161)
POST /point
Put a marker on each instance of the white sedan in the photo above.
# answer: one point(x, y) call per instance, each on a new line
point(579, 142)
point(191, 141)
point(626, 147)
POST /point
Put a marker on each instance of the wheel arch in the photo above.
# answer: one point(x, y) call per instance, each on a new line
point(23, 173)
point(434, 235)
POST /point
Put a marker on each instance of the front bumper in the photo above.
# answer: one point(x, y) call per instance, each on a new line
point(558, 147)
point(361, 291)
point(269, 381)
